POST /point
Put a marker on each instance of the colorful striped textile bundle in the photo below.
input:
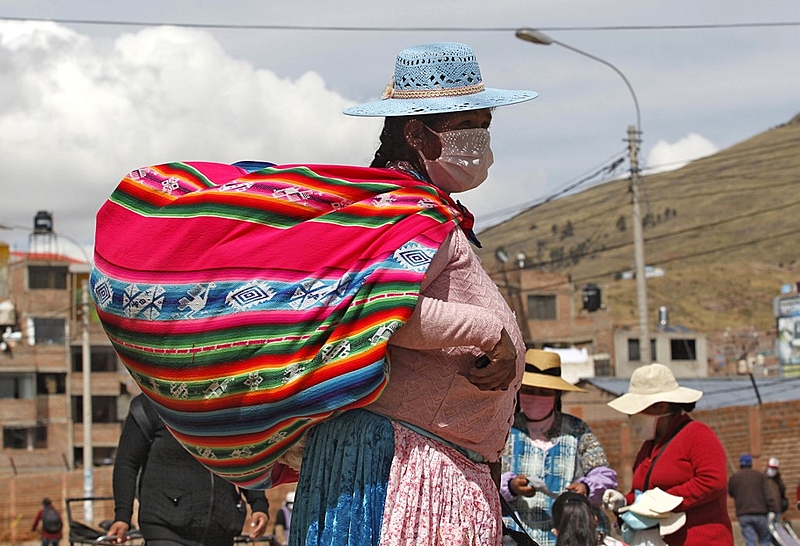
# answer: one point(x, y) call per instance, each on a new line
point(250, 306)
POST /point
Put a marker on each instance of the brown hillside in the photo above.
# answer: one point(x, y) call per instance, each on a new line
point(724, 228)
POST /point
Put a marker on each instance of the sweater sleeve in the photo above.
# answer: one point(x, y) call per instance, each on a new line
point(37, 519)
point(132, 453)
point(257, 500)
point(594, 470)
point(437, 324)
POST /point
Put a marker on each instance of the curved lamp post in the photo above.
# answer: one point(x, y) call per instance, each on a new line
point(540, 38)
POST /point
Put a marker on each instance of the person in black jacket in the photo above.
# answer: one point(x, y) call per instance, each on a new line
point(180, 501)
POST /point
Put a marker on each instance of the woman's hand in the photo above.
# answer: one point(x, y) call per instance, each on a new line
point(579, 487)
point(519, 486)
point(502, 367)
point(118, 529)
point(527, 487)
point(613, 500)
point(258, 524)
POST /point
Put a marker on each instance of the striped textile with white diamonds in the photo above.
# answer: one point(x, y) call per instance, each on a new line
point(249, 306)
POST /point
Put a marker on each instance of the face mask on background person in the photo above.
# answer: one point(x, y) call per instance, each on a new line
point(643, 426)
point(464, 162)
point(537, 407)
point(772, 472)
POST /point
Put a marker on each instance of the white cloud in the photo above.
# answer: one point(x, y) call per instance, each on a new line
point(665, 156)
point(78, 118)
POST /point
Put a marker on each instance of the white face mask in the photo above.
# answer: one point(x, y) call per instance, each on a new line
point(772, 472)
point(464, 162)
point(643, 426)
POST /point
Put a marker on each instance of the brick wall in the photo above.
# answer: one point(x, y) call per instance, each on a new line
point(769, 430)
point(21, 498)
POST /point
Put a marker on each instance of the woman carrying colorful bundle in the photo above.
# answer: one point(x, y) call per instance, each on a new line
point(411, 469)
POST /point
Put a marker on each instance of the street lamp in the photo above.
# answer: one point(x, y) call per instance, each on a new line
point(634, 135)
point(86, 374)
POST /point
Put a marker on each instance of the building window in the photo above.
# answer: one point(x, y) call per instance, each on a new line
point(17, 385)
point(103, 358)
point(49, 331)
point(51, 383)
point(47, 277)
point(683, 349)
point(602, 367)
point(542, 308)
point(634, 354)
point(104, 409)
point(24, 437)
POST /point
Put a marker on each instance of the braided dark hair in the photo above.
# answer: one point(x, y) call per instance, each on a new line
point(393, 145)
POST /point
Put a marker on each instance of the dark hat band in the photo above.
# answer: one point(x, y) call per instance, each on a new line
point(555, 372)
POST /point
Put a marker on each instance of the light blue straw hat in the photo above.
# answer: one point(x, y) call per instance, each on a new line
point(437, 78)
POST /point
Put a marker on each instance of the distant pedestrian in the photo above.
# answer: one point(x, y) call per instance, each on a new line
point(777, 489)
point(754, 505)
point(284, 519)
point(51, 523)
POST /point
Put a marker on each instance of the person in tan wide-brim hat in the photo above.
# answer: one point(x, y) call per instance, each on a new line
point(543, 370)
point(549, 452)
point(678, 455)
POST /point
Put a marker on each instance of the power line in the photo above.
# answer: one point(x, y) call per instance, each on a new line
point(606, 169)
point(328, 28)
point(599, 275)
point(684, 231)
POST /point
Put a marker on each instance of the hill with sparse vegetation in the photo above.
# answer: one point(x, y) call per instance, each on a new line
point(725, 230)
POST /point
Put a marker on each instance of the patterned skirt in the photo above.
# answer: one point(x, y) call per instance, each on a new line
point(367, 480)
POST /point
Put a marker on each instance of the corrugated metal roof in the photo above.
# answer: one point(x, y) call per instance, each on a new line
point(720, 392)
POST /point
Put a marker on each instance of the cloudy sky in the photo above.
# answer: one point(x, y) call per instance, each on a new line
point(82, 104)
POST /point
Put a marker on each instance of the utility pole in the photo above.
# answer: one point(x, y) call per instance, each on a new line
point(638, 248)
point(634, 134)
point(88, 455)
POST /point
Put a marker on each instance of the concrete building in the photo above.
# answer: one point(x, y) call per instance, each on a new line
point(554, 313)
point(41, 381)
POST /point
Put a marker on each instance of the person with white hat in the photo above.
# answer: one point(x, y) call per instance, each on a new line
point(412, 468)
point(777, 488)
point(680, 456)
point(548, 451)
point(283, 521)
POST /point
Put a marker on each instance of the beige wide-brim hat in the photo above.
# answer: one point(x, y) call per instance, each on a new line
point(652, 384)
point(543, 370)
point(653, 503)
point(657, 503)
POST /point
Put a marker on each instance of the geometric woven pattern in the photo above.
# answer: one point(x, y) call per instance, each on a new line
point(249, 306)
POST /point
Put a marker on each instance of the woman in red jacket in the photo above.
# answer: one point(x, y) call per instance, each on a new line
point(680, 456)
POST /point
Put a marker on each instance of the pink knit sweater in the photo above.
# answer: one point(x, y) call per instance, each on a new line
point(459, 317)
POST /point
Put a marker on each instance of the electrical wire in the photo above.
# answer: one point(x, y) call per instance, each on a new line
point(701, 253)
point(524, 207)
point(329, 28)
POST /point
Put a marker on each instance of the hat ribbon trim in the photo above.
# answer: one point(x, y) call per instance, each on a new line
point(555, 372)
point(432, 93)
